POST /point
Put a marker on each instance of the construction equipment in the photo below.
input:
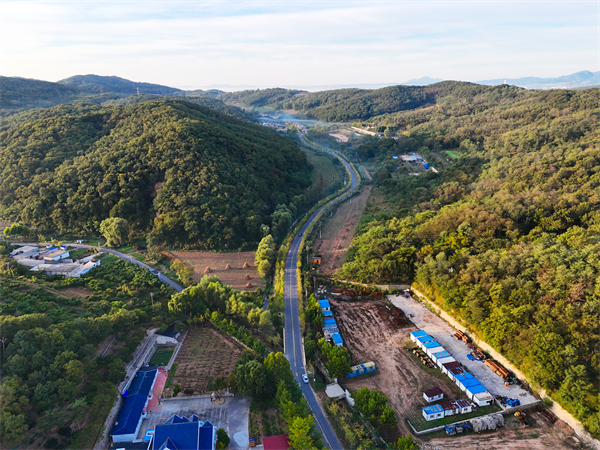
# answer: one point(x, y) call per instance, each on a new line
point(458, 428)
point(520, 415)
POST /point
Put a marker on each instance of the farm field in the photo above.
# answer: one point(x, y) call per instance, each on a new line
point(236, 276)
point(338, 232)
point(206, 355)
point(326, 175)
point(161, 356)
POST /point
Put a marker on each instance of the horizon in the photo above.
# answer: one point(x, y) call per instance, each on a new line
point(203, 45)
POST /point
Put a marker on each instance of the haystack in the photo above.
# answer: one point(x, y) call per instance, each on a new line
point(246, 266)
point(247, 277)
point(227, 267)
point(249, 285)
point(207, 270)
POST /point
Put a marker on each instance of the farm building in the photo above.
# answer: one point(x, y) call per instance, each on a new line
point(361, 369)
point(324, 304)
point(185, 433)
point(55, 255)
point(424, 339)
point(433, 394)
point(26, 251)
point(276, 442)
point(134, 405)
point(417, 334)
point(433, 412)
point(71, 270)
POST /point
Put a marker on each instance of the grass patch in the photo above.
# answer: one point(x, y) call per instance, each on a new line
point(171, 375)
point(326, 177)
point(125, 249)
point(161, 357)
point(139, 256)
point(420, 424)
point(78, 254)
point(109, 258)
point(452, 154)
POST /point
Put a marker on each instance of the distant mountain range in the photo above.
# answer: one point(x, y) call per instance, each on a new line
point(582, 79)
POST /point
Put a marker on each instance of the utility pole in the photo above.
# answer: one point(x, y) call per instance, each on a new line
point(3, 340)
point(152, 298)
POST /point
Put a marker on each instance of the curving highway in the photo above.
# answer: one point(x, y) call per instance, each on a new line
point(293, 334)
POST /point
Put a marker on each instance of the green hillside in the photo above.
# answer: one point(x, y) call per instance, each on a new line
point(24, 93)
point(97, 84)
point(507, 237)
point(259, 97)
point(189, 175)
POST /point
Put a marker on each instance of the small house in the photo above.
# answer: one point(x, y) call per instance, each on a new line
point(475, 389)
point(450, 408)
point(463, 406)
point(324, 304)
point(483, 398)
point(433, 394)
point(317, 259)
point(327, 313)
point(440, 361)
point(452, 369)
point(337, 340)
point(423, 340)
point(432, 412)
point(469, 382)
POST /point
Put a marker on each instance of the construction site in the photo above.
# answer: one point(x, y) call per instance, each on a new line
point(376, 329)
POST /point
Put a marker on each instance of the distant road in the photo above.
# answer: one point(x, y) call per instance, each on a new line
point(293, 332)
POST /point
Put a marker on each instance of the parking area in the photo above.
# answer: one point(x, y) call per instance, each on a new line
point(232, 416)
point(443, 333)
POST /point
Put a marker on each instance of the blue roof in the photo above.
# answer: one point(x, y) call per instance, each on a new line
point(327, 313)
point(433, 409)
point(470, 382)
point(135, 402)
point(181, 433)
point(476, 389)
point(425, 338)
point(337, 338)
point(330, 321)
point(442, 354)
point(419, 333)
point(206, 436)
point(431, 344)
point(324, 303)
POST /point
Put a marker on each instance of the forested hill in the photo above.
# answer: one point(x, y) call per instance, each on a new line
point(24, 93)
point(507, 238)
point(343, 105)
point(189, 175)
point(97, 84)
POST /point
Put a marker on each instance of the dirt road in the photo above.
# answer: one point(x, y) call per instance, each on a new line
point(338, 232)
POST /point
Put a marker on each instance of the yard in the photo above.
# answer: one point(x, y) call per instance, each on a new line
point(161, 356)
point(242, 279)
point(205, 360)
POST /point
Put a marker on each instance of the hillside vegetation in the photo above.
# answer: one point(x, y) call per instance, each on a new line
point(507, 238)
point(188, 175)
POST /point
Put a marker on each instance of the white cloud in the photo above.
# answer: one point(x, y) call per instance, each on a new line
point(276, 43)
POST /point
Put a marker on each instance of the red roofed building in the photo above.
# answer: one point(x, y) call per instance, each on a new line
point(276, 442)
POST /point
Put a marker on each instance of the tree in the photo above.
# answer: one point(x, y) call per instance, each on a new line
point(281, 220)
point(13, 428)
point(300, 433)
point(338, 359)
point(313, 312)
point(115, 230)
point(406, 443)
point(222, 438)
point(251, 378)
point(184, 272)
point(265, 255)
point(373, 405)
point(16, 229)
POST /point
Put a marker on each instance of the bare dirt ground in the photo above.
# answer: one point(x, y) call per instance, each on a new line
point(339, 231)
point(205, 355)
point(370, 335)
point(236, 276)
point(77, 291)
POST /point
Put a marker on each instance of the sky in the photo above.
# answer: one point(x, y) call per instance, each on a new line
point(225, 44)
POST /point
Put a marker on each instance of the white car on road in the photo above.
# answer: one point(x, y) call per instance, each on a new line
point(305, 378)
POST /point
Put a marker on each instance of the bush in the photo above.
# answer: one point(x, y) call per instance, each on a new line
point(222, 438)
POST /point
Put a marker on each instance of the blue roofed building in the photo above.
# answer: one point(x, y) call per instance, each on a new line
point(183, 433)
point(133, 409)
point(433, 412)
point(324, 304)
point(337, 339)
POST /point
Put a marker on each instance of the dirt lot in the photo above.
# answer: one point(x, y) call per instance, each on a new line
point(237, 276)
point(78, 291)
point(205, 355)
point(370, 335)
point(338, 232)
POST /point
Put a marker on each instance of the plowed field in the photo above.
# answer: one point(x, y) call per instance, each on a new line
point(236, 276)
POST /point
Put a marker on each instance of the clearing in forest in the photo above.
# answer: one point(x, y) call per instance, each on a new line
point(207, 355)
point(337, 234)
point(240, 278)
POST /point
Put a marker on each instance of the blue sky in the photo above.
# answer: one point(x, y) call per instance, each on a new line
point(193, 44)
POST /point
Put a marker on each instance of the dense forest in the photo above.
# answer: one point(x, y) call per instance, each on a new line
point(507, 237)
point(19, 94)
point(259, 97)
point(187, 175)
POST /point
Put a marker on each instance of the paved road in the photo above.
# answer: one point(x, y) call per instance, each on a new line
point(132, 260)
point(293, 333)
